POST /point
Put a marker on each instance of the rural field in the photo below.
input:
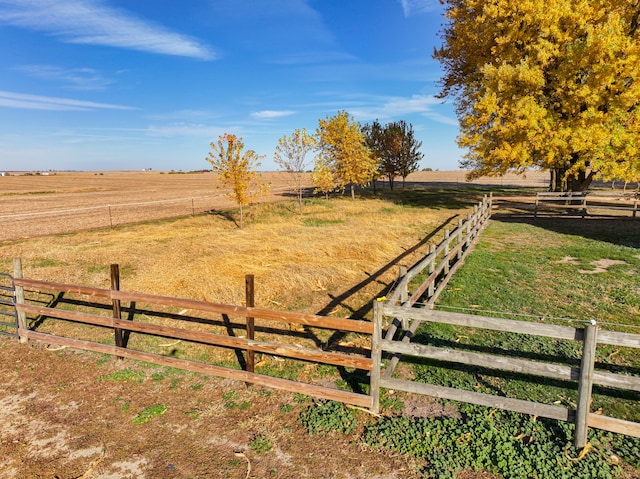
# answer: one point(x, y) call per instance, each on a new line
point(59, 202)
point(70, 414)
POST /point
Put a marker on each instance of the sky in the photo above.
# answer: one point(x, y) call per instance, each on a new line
point(116, 84)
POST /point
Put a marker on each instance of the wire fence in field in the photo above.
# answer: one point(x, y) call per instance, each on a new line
point(47, 222)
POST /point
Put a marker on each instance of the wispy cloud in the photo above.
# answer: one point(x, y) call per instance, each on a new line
point(268, 114)
point(179, 129)
point(414, 7)
point(36, 102)
point(385, 108)
point(74, 78)
point(93, 22)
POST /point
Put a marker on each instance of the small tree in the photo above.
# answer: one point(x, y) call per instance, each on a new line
point(291, 155)
point(404, 147)
point(395, 147)
point(374, 139)
point(236, 170)
point(342, 147)
point(322, 178)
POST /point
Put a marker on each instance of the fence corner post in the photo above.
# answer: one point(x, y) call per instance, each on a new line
point(585, 384)
point(376, 357)
point(19, 299)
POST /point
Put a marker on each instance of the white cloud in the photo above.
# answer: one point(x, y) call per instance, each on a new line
point(75, 78)
point(393, 107)
point(93, 22)
point(36, 102)
point(267, 114)
point(415, 7)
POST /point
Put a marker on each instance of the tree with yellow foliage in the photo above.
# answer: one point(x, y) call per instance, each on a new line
point(343, 149)
point(549, 84)
point(322, 178)
point(236, 170)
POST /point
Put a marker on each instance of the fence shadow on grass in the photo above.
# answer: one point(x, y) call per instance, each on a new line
point(361, 312)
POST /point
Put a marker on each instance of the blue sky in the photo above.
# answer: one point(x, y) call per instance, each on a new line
point(116, 84)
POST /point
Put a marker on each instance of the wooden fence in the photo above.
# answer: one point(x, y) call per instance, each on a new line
point(97, 300)
point(586, 374)
point(440, 264)
point(593, 203)
point(585, 203)
point(419, 285)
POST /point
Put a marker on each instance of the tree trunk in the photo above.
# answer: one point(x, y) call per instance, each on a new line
point(390, 177)
point(581, 183)
point(240, 216)
point(353, 192)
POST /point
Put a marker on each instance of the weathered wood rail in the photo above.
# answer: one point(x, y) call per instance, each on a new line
point(582, 202)
point(248, 344)
point(586, 375)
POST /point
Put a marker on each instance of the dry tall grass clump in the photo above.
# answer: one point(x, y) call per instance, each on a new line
point(334, 258)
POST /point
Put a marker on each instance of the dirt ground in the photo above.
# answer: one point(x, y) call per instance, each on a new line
point(66, 414)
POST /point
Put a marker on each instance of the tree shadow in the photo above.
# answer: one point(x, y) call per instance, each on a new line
point(622, 231)
point(439, 195)
point(226, 214)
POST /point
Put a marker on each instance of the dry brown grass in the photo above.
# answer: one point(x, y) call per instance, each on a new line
point(299, 261)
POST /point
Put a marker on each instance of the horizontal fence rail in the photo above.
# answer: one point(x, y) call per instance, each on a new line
point(582, 202)
point(113, 298)
point(8, 314)
point(585, 375)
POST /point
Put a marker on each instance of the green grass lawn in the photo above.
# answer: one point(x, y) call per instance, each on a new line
point(563, 270)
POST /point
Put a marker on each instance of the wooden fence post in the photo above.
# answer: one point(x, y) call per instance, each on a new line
point(117, 314)
point(404, 291)
point(459, 230)
point(376, 357)
point(585, 384)
point(110, 216)
point(22, 316)
point(432, 268)
point(446, 250)
point(250, 300)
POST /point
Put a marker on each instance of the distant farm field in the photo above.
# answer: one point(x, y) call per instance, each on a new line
point(60, 202)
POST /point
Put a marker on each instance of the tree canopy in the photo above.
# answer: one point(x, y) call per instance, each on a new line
point(236, 170)
point(342, 148)
point(549, 84)
point(396, 148)
point(291, 156)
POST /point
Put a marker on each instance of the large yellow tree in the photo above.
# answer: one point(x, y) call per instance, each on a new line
point(343, 149)
point(236, 170)
point(553, 84)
